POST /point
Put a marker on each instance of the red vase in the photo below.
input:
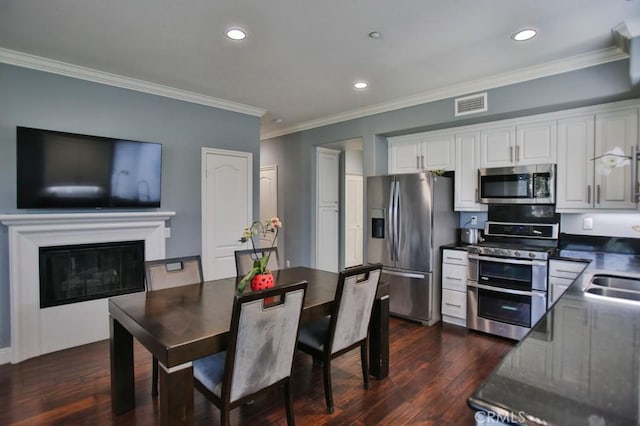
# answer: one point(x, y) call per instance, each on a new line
point(262, 282)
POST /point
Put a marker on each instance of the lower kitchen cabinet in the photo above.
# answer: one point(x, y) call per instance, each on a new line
point(561, 275)
point(608, 330)
point(454, 287)
point(571, 355)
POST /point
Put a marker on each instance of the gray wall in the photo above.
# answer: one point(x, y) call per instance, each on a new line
point(294, 153)
point(37, 99)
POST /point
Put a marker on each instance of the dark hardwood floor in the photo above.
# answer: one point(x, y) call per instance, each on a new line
point(432, 372)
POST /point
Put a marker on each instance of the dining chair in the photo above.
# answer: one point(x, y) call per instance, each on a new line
point(260, 351)
point(348, 325)
point(245, 259)
point(166, 273)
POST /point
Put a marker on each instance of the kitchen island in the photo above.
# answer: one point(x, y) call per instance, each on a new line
point(580, 364)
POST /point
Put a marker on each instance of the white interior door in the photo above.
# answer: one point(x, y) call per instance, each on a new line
point(268, 201)
point(327, 208)
point(353, 227)
point(226, 208)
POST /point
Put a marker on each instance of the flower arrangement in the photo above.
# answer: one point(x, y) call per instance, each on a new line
point(610, 160)
point(259, 264)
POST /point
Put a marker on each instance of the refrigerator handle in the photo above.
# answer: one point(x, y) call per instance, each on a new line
point(390, 225)
point(397, 221)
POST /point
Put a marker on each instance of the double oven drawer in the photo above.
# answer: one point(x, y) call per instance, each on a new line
point(516, 274)
point(505, 296)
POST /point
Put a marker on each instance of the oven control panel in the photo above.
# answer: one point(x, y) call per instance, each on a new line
point(508, 252)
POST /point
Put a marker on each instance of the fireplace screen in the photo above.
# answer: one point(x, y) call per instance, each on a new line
point(70, 274)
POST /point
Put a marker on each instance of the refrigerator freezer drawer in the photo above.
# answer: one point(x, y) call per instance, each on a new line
point(410, 294)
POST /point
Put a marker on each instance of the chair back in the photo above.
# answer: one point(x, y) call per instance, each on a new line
point(262, 339)
point(177, 271)
point(355, 294)
point(245, 259)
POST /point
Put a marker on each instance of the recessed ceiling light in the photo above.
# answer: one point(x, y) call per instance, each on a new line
point(236, 34)
point(278, 120)
point(524, 35)
point(360, 84)
point(375, 34)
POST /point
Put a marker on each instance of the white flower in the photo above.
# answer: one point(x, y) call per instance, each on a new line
point(611, 159)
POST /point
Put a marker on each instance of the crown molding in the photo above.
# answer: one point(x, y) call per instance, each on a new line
point(25, 60)
point(512, 77)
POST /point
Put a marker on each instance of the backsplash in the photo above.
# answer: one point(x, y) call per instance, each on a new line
point(605, 224)
point(465, 219)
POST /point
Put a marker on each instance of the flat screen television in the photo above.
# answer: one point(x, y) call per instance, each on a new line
point(67, 170)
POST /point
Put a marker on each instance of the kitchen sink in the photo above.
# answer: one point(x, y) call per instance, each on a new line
point(617, 294)
point(615, 287)
point(613, 281)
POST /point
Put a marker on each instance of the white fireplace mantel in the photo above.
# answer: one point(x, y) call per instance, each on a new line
point(36, 331)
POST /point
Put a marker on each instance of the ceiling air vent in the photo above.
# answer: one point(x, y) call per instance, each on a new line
point(471, 104)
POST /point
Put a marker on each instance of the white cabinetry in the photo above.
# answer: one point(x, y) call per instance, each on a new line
point(466, 179)
point(497, 147)
point(454, 287)
point(582, 139)
point(615, 129)
point(574, 175)
point(520, 145)
point(561, 274)
point(536, 143)
point(571, 353)
point(423, 151)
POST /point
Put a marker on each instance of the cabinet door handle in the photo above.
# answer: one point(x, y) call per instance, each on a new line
point(454, 278)
point(417, 161)
point(634, 174)
point(588, 194)
point(597, 194)
point(422, 160)
point(452, 304)
point(517, 153)
point(511, 154)
point(454, 258)
point(566, 272)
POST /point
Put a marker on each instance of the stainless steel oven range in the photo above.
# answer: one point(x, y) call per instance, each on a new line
point(507, 275)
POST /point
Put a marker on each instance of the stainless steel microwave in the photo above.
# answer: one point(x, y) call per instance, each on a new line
point(534, 184)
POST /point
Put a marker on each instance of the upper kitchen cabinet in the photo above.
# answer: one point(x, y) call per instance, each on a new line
point(466, 178)
point(418, 152)
point(497, 147)
point(616, 129)
point(581, 140)
point(524, 144)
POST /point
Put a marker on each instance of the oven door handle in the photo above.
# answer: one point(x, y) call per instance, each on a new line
point(506, 260)
point(507, 290)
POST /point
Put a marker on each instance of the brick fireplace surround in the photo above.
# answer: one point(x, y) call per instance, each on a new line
point(36, 331)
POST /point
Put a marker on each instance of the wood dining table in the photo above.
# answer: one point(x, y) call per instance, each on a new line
point(181, 324)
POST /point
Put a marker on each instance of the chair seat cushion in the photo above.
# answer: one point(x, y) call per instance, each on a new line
point(210, 371)
point(314, 334)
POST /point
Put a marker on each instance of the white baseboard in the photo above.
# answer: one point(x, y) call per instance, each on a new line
point(5, 355)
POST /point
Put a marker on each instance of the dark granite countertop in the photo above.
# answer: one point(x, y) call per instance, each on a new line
point(580, 365)
point(455, 246)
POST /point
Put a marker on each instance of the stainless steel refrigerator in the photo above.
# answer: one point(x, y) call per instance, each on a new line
point(409, 217)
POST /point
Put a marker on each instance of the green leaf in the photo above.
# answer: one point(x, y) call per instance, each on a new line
point(264, 260)
point(247, 278)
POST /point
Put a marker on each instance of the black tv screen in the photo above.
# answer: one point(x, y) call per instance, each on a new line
point(67, 170)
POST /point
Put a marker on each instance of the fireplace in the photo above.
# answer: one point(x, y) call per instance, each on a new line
point(35, 330)
point(77, 273)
